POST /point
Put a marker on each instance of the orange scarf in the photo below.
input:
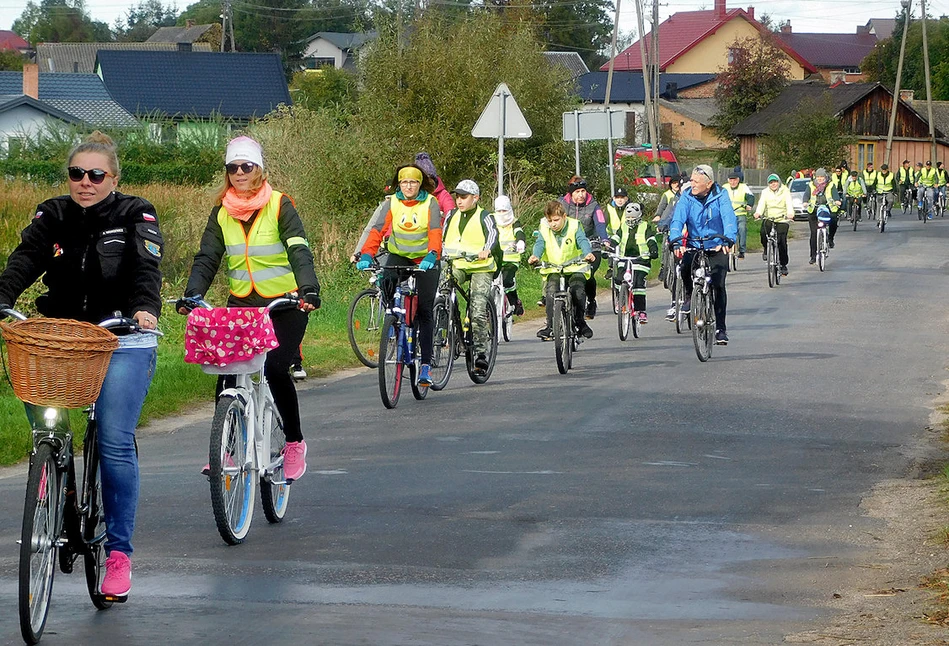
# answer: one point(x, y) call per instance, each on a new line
point(242, 208)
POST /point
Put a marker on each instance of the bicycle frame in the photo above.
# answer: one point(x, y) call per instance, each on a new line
point(254, 392)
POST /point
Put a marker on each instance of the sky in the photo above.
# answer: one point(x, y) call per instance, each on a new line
point(824, 16)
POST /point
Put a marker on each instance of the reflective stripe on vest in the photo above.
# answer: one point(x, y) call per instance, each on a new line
point(471, 241)
point(640, 239)
point(257, 261)
point(507, 239)
point(562, 249)
point(615, 219)
point(409, 227)
point(828, 196)
point(885, 182)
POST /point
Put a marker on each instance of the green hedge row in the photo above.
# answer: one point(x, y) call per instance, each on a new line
point(132, 173)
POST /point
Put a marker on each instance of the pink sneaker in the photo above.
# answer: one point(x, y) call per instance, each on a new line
point(294, 460)
point(118, 575)
point(228, 461)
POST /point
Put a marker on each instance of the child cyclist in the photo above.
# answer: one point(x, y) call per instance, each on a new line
point(562, 241)
point(513, 243)
point(636, 239)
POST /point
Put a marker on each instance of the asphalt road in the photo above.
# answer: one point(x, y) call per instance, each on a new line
point(644, 498)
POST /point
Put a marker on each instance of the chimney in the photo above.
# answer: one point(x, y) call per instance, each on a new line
point(189, 23)
point(75, 67)
point(31, 80)
point(751, 12)
point(905, 95)
point(786, 27)
point(720, 9)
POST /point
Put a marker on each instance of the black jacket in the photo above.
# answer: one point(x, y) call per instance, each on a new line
point(208, 259)
point(96, 260)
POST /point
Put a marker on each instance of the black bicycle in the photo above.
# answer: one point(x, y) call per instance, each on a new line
point(702, 312)
point(564, 329)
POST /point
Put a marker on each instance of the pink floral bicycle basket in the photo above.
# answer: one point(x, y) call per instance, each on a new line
point(229, 340)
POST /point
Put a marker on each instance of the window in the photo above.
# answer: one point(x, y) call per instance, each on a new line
point(316, 62)
point(852, 70)
point(865, 155)
point(732, 53)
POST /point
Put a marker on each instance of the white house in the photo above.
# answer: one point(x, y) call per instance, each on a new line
point(331, 48)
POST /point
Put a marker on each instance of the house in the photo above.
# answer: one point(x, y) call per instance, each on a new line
point(336, 49)
point(882, 28)
point(30, 101)
point(697, 42)
point(689, 121)
point(80, 58)
point(12, 41)
point(189, 33)
point(570, 61)
point(837, 57)
point(628, 93)
point(863, 108)
point(195, 90)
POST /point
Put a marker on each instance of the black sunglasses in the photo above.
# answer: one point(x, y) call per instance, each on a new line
point(96, 175)
point(247, 167)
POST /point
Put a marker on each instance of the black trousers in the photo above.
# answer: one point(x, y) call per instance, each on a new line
point(812, 223)
point(718, 264)
point(782, 228)
point(590, 285)
point(575, 287)
point(426, 283)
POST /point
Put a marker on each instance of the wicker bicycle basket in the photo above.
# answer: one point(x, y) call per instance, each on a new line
point(57, 362)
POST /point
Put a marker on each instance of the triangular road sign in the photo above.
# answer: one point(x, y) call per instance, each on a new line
point(489, 123)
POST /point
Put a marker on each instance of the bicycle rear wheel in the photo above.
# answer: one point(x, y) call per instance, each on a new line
point(679, 298)
point(232, 479)
point(419, 391)
point(855, 215)
point(562, 339)
point(364, 325)
point(614, 292)
point(492, 353)
point(772, 264)
point(93, 520)
point(624, 316)
point(507, 318)
point(701, 328)
point(390, 361)
point(635, 326)
point(38, 543)
point(444, 339)
point(274, 496)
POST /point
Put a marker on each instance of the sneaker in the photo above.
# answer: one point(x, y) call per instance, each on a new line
point(764, 256)
point(297, 372)
point(481, 362)
point(686, 306)
point(812, 261)
point(929, 217)
point(228, 461)
point(591, 310)
point(741, 254)
point(544, 334)
point(518, 308)
point(585, 330)
point(425, 376)
point(643, 319)
point(118, 575)
point(721, 338)
point(608, 274)
point(671, 314)
point(784, 270)
point(831, 244)
point(294, 460)
point(542, 301)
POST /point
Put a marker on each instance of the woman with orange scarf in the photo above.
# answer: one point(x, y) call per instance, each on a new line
point(260, 234)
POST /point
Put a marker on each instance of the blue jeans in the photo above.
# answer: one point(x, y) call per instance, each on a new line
point(117, 411)
point(742, 233)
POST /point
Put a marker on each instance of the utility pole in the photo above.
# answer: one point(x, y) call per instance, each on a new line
point(606, 99)
point(929, 87)
point(899, 78)
point(647, 94)
point(224, 9)
point(655, 62)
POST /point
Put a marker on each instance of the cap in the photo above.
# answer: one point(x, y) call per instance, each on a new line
point(467, 187)
point(854, 172)
point(620, 192)
point(884, 167)
point(920, 164)
point(869, 163)
point(705, 169)
point(734, 175)
point(773, 178)
point(929, 163)
point(244, 148)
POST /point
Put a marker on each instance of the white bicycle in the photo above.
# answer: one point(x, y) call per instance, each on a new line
point(247, 442)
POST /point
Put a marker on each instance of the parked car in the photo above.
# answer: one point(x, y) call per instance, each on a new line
point(646, 176)
point(798, 190)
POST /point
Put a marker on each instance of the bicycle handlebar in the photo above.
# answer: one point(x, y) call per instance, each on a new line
point(194, 302)
point(109, 323)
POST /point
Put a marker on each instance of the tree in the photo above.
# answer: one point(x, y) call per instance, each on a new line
point(756, 74)
point(11, 61)
point(809, 137)
point(584, 26)
point(327, 87)
point(60, 21)
point(143, 20)
point(881, 63)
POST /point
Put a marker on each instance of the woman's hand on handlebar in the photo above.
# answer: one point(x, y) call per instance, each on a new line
point(146, 320)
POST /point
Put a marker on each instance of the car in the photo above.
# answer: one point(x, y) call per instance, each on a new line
point(798, 189)
point(646, 176)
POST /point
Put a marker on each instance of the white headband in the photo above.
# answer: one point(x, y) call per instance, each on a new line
point(246, 149)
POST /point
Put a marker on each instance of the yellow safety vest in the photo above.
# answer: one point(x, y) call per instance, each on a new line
point(409, 227)
point(906, 175)
point(885, 182)
point(615, 218)
point(737, 196)
point(562, 248)
point(854, 188)
point(507, 239)
point(469, 241)
point(828, 195)
point(258, 260)
point(927, 179)
point(941, 177)
point(870, 179)
point(640, 238)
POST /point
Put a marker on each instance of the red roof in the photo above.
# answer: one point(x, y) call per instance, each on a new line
point(12, 40)
point(683, 30)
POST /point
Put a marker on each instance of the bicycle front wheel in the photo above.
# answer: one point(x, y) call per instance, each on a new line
point(625, 314)
point(232, 478)
point(390, 361)
point(38, 542)
point(274, 490)
point(507, 319)
point(701, 325)
point(364, 325)
point(772, 264)
point(561, 337)
point(93, 520)
point(679, 298)
point(444, 339)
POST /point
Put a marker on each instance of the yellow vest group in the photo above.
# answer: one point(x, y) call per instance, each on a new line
point(885, 182)
point(507, 239)
point(409, 237)
point(560, 250)
point(257, 261)
point(927, 177)
point(737, 196)
point(469, 241)
point(828, 195)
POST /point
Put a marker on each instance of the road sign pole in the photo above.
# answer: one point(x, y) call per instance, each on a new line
point(502, 111)
point(609, 148)
point(576, 141)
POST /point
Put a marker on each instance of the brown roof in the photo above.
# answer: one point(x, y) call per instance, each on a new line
point(699, 110)
point(841, 97)
point(178, 34)
point(831, 50)
point(81, 57)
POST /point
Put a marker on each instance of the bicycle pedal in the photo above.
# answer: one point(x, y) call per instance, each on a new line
point(114, 599)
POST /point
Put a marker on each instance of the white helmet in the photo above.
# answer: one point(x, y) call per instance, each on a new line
point(633, 213)
point(503, 210)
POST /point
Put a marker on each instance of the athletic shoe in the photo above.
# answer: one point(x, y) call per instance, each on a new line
point(228, 461)
point(929, 217)
point(585, 330)
point(643, 319)
point(741, 254)
point(764, 256)
point(830, 244)
point(591, 309)
point(686, 306)
point(811, 261)
point(518, 308)
point(481, 362)
point(784, 270)
point(297, 372)
point(671, 314)
point(721, 338)
point(294, 460)
point(542, 301)
point(118, 575)
point(608, 274)
point(544, 334)
point(424, 376)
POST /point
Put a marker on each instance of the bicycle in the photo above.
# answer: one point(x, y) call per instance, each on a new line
point(872, 205)
point(823, 248)
point(702, 312)
point(667, 263)
point(247, 440)
point(678, 298)
point(502, 305)
point(854, 214)
point(627, 318)
point(63, 515)
point(364, 322)
point(925, 206)
point(771, 249)
point(884, 213)
point(453, 334)
point(566, 339)
point(907, 200)
point(398, 343)
point(940, 203)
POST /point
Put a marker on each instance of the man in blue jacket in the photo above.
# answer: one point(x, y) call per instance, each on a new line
point(705, 212)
